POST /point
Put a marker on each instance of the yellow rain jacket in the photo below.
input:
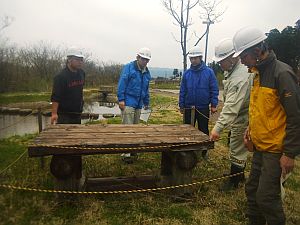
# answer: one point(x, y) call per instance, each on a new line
point(274, 110)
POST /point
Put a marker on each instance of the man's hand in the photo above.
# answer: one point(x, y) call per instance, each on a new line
point(146, 107)
point(122, 105)
point(247, 140)
point(54, 115)
point(213, 110)
point(214, 135)
point(54, 118)
point(286, 164)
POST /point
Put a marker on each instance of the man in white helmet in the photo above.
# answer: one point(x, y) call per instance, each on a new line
point(67, 92)
point(274, 126)
point(133, 90)
point(199, 90)
point(234, 115)
point(67, 103)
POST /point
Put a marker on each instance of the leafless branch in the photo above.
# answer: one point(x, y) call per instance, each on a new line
point(200, 38)
point(5, 22)
point(210, 11)
point(180, 11)
point(175, 38)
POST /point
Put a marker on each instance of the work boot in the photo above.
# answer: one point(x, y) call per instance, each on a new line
point(256, 220)
point(232, 183)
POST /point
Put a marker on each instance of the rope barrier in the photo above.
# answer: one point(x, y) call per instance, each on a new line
point(10, 165)
point(13, 187)
point(118, 148)
point(9, 186)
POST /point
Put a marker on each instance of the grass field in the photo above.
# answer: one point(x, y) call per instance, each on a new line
point(207, 205)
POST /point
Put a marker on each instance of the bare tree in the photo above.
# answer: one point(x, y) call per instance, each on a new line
point(180, 11)
point(211, 15)
point(32, 68)
point(5, 22)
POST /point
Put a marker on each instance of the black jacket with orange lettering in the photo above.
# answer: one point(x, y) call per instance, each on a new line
point(274, 110)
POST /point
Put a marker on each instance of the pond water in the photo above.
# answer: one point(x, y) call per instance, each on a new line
point(102, 108)
point(19, 125)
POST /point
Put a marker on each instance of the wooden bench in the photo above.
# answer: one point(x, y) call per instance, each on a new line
point(178, 144)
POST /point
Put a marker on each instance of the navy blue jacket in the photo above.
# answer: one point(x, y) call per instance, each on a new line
point(199, 88)
point(133, 87)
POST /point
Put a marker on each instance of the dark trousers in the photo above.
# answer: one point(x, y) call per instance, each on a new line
point(69, 118)
point(201, 118)
point(263, 188)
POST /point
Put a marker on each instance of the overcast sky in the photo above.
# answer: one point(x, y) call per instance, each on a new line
point(113, 30)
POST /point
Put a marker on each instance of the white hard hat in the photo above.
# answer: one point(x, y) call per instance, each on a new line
point(144, 53)
point(223, 49)
point(75, 51)
point(195, 51)
point(246, 38)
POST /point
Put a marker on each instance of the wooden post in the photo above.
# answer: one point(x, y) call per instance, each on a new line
point(67, 169)
point(40, 122)
point(166, 173)
point(176, 169)
point(193, 111)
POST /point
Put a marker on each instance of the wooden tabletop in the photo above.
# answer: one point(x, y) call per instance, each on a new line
point(116, 138)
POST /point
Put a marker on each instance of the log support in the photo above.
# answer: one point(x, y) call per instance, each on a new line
point(176, 169)
point(67, 170)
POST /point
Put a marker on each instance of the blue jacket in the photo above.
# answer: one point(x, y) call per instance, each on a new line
point(199, 88)
point(133, 87)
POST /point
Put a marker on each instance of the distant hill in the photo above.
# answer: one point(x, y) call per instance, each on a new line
point(161, 72)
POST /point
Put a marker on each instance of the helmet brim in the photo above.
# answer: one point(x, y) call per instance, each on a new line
point(144, 56)
point(76, 55)
point(237, 53)
point(218, 59)
point(191, 56)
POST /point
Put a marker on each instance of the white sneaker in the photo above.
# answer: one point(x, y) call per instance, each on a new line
point(125, 155)
point(129, 157)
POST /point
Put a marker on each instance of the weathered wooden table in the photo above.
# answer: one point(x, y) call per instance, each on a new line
point(179, 145)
